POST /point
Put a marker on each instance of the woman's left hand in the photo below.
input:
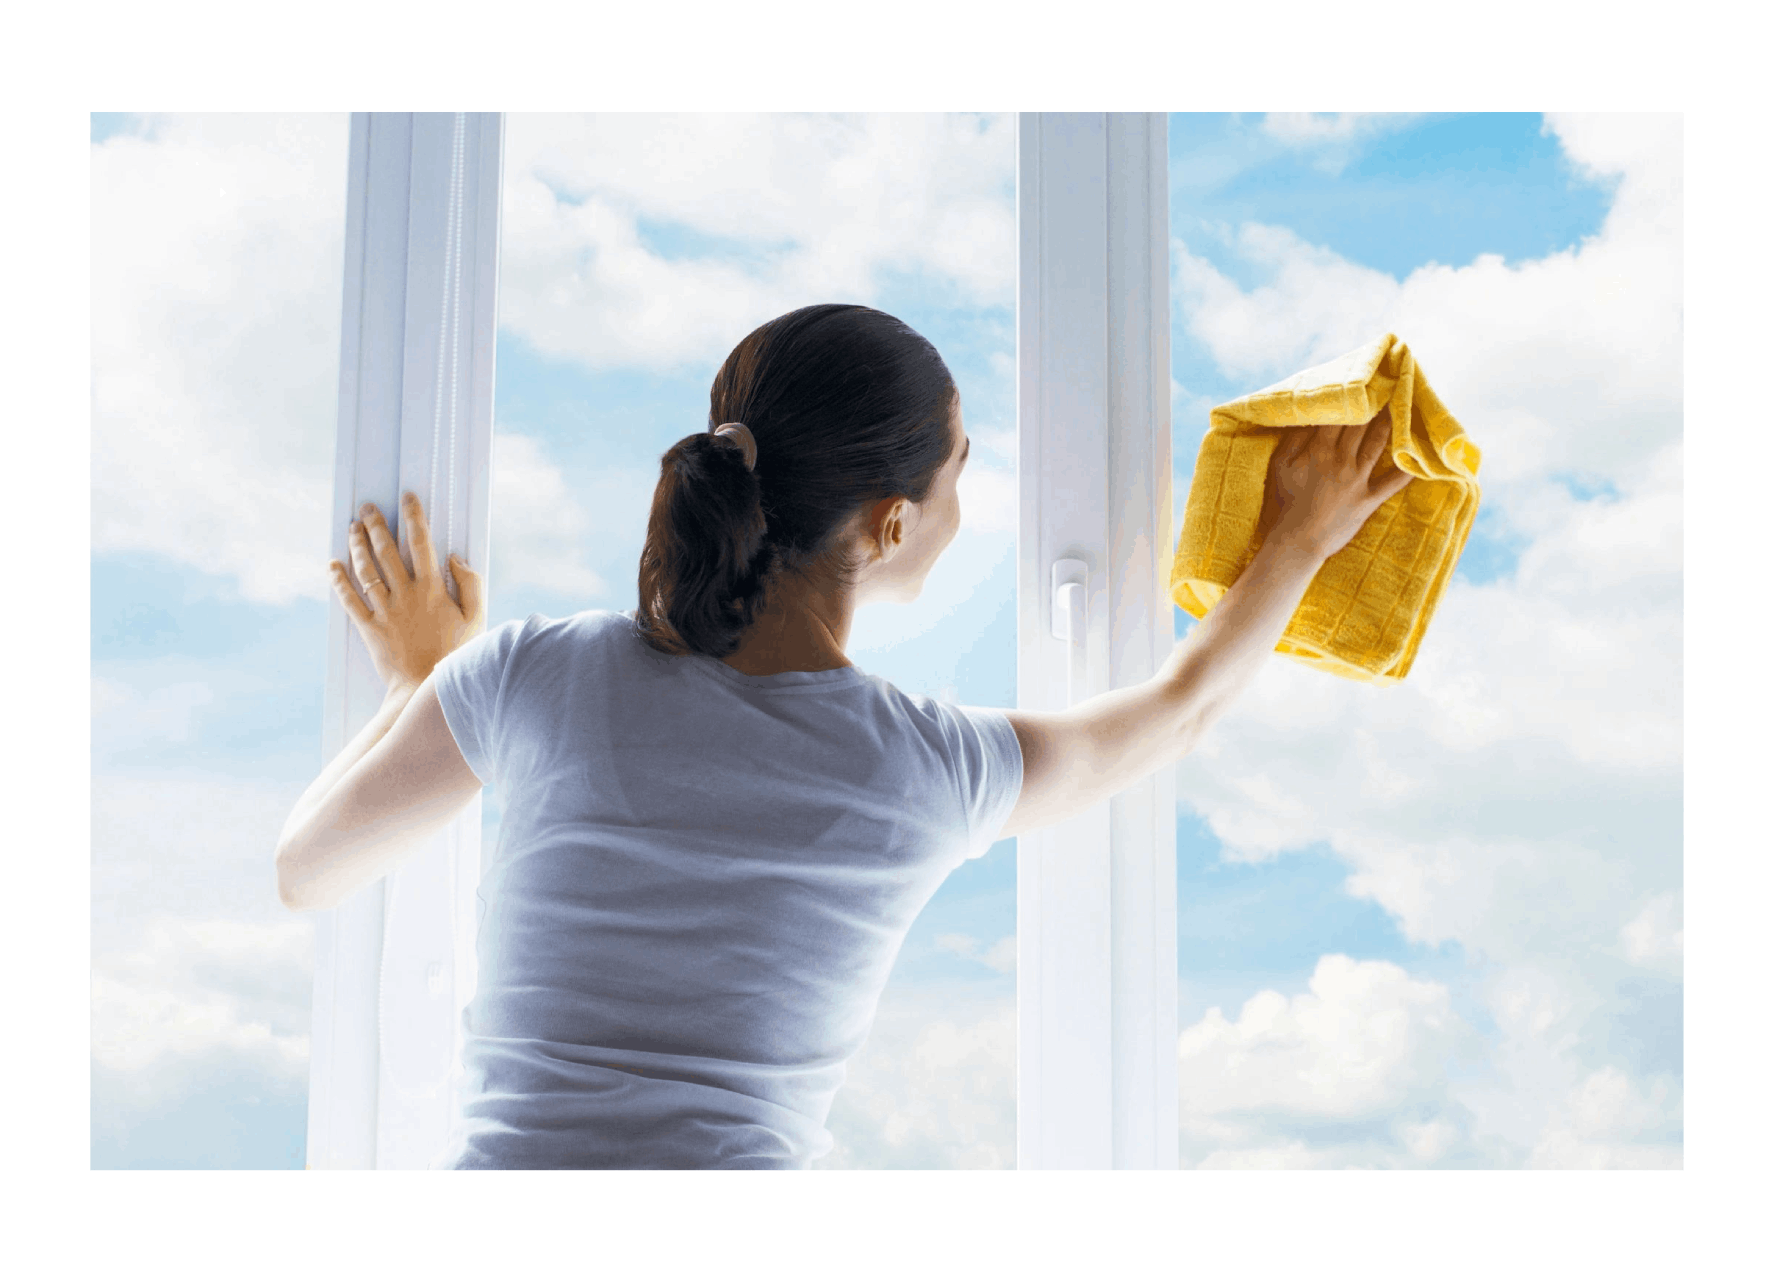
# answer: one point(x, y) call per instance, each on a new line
point(410, 621)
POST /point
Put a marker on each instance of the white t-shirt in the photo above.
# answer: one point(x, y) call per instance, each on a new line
point(702, 882)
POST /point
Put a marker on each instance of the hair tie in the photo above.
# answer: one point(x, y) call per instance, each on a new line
point(742, 434)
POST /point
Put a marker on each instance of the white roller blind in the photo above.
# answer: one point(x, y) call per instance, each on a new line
point(394, 965)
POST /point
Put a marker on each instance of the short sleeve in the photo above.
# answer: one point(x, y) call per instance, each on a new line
point(470, 682)
point(990, 765)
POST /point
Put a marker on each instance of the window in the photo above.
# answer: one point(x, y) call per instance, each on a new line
point(1434, 925)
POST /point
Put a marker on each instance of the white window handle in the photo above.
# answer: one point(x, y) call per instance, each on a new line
point(1071, 587)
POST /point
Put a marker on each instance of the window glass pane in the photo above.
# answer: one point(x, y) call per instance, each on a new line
point(216, 273)
point(1440, 924)
point(636, 252)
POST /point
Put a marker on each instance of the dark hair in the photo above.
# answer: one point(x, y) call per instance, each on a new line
point(848, 406)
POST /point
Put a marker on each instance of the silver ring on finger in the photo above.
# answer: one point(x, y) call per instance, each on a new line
point(374, 583)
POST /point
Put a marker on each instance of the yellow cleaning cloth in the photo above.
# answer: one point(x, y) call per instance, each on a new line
point(1365, 611)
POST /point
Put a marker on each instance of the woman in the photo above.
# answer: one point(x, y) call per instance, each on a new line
point(717, 831)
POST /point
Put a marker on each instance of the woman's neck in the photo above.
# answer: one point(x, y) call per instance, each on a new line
point(804, 632)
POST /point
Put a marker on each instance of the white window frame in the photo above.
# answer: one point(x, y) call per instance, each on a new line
point(394, 964)
point(1096, 959)
point(1096, 897)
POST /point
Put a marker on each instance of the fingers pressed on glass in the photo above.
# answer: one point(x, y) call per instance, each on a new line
point(394, 570)
point(418, 537)
point(357, 553)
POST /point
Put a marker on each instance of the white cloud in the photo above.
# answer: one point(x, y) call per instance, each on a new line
point(196, 967)
point(125, 718)
point(794, 208)
point(217, 246)
point(1313, 300)
point(1610, 1121)
point(1333, 135)
point(1364, 1043)
point(1512, 899)
point(1287, 1156)
point(1000, 957)
point(934, 1086)
point(989, 500)
point(1364, 1070)
point(1250, 815)
point(1000, 441)
point(201, 990)
point(183, 846)
point(542, 529)
point(1653, 938)
point(1643, 151)
point(108, 697)
point(1429, 1141)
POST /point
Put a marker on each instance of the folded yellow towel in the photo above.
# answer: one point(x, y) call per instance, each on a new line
point(1364, 613)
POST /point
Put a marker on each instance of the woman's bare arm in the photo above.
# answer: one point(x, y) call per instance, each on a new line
point(1079, 757)
point(1324, 483)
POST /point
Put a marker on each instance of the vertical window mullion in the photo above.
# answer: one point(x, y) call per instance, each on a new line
point(1143, 847)
point(394, 965)
point(1096, 896)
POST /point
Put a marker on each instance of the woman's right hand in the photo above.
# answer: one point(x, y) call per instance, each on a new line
point(1326, 481)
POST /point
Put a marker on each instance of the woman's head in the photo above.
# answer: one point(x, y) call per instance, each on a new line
point(858, 430)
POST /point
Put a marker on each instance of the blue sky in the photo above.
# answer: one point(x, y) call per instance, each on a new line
point(1443, 189)
point(212, 677)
